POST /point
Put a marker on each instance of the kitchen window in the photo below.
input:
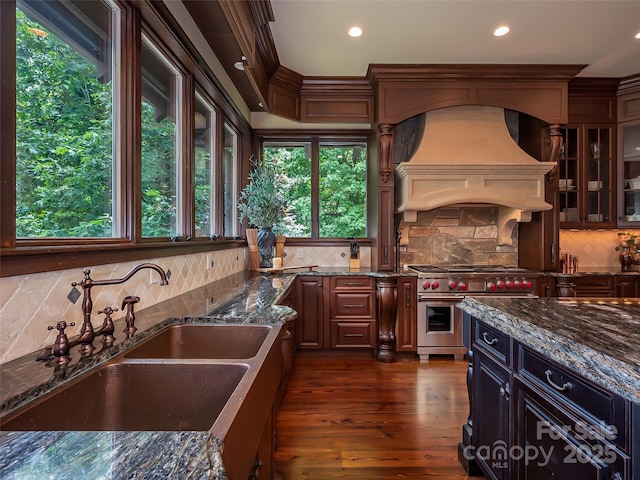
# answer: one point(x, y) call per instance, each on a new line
point(107, 150)
point(161, 135)
point(326, 186)
point(66, 84)
point(204, 168)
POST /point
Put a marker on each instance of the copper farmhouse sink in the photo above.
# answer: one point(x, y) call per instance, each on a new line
point(197, 341)
point(135, 396)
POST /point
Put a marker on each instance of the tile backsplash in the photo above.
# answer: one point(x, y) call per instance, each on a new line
point(594, 248)
point(30, 303)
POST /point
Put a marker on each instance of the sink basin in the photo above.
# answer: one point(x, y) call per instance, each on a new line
point(197, 341)
point(135, 396)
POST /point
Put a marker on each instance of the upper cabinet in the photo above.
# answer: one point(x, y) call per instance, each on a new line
point(629, 153)
point(629, 175)
point(587, 180)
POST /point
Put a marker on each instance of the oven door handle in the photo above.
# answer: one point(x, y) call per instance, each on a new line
point(432, 298)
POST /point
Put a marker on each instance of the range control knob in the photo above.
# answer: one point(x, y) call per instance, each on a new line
point(463, 287)
point(452, 284)
point(508, 284)
point(491, 286)
point(518, 284)
point(426, 285)
point(528, 284)
point(435, 285)
point(500, 284)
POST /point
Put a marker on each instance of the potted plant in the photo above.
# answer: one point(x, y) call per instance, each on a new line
point(263, 204)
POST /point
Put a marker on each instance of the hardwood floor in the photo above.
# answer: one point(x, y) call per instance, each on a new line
point(352, 417)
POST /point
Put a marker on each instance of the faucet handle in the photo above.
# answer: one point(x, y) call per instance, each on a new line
point(61, 345)
point(107, 328)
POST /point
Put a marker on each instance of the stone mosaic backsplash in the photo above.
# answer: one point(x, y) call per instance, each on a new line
point(456, 235)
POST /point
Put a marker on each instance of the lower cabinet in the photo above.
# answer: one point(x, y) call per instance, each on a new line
point(492, 384)
point(406, 315)
point(336, 312)
point(533, 419)
point(628, 286)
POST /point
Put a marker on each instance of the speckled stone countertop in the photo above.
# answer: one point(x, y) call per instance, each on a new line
point(241, 298)
point(598, 338)
point(600, 271)
point(246, 297)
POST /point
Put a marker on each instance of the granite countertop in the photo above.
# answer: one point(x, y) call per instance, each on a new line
point(600, 271)
point(245, 297)
point(598, 338)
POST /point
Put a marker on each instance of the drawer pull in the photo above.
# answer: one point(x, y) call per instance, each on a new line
point(561, 388)
point(353, 335)
point(354, 284)
point(487, 341)
point(353, 305)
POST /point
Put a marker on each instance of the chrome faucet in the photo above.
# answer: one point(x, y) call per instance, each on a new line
point(87, 333)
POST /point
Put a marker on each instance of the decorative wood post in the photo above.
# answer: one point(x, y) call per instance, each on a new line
point(387, 304)
point(385, 138)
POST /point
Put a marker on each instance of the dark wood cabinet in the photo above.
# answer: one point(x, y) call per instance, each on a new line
point(534, 419)
point(595, 286)
point(336, 312)
point(587, 180)
point(353, 312)
point(628, 286)
point(492, 384)
point(406, 315)
point(310, 305)
point(546, 287)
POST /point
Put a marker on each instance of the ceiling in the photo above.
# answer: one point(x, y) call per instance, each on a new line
point(311, 38)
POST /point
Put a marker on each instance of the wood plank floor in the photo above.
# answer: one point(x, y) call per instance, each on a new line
point(354, 418)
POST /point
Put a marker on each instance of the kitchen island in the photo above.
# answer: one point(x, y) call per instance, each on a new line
point(557, 377)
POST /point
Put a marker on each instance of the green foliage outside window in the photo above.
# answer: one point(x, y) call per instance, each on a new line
point(63, 139)
point(342, 210)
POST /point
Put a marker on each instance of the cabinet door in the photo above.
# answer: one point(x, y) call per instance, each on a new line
point(406, 316)
point(556, 448)
point(629, 175)
point(310, 308)
point(492, 416)
point(627, 287)
point(587, 181)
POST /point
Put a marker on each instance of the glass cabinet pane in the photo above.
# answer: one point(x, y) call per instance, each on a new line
point(631, 173)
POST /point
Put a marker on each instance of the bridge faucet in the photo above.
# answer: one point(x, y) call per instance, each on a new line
point(86, 332)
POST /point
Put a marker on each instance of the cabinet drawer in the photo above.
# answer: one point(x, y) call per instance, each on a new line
point(600, 408)
point(352, 305)
point(493, 341)
point(353, 334)
point(349, 282)
point(595, 283)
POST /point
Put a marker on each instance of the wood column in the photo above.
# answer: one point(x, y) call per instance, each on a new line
point(387, 305)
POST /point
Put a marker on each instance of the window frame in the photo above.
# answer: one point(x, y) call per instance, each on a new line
point(26, 256)
point(316, 140)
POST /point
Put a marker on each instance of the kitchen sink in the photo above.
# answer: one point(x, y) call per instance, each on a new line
point(135, 396)
point(198, 341)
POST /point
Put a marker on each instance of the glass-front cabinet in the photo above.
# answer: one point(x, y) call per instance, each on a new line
point(629, 175)
point(587, 176)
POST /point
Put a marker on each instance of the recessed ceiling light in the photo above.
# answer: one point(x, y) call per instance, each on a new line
point(638, 35)
point(355, 32)
point(501, 31)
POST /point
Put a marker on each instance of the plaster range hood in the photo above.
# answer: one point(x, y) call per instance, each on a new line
point(467, 156)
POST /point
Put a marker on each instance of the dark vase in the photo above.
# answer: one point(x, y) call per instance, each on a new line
point(266, 241)
point(626, 259)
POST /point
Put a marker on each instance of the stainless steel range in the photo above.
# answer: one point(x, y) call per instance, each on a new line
point(441, 287)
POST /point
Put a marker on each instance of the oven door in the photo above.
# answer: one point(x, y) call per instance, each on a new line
point(439, 322)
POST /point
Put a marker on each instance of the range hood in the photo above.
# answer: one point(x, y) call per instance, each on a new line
point(467, 156)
